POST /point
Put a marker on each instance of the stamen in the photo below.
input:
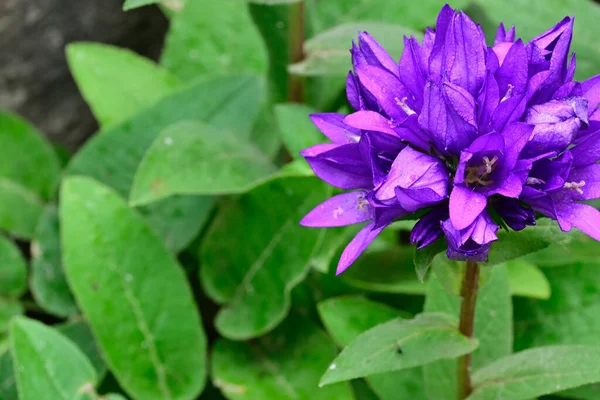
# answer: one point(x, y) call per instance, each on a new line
point(575, 186)
point(402, 103)
point(535, 181)
point(489, 164)
point(362, 203)
point(508, 94)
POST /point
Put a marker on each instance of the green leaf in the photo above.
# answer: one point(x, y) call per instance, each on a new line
point(79, 333)
point(286, 364)
point(117, 83)
point(26, 158)
point(208, 39)
point(422, 340)
point(131, 4)
point(265, 132)
point(537, 372)
point(569, 316)
point(8, 385)
point(194, 158)
point(48, 365)
point(20, 209)
point(8, 310)
point(333, 240)
point(527, 280)
point(424, 258)
point(13, 270)
point(493, 327)
point(579, 248)
point(511, 245)
point(546, 15)
point(48, 282)
point(389, 270)
point(178, 219)
point(133, 293)
point(345, 318)
point(297, 130)
point(327, 53)
point(254, 281)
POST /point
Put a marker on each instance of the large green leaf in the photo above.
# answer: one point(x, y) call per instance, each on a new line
point(8, 310)
point(400, 344)
point(133, 293)
point(8, 385)
point(284, 365)
point(253, 273)
point(13, 270)
point(131, 4)
point(533, 18)
point(213, 38)
point(580, 248)
point(345, 318)
point(79, 333)
point(493, 328)
point(48, 365)
point(26, 158)
point(297, 130)
point(527, 280)
point(20, 209)
point(48, 282)
point(117, 83)
point(537, 372)
point(327, 53)
point(192, 158)
point(570, 316)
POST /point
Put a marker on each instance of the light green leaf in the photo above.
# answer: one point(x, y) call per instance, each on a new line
point(327, 53)
point(536, 372)
point(493, 327)
point(79, 333)
point(8, 385)
point(192, 158)
point(208, 39)
point(345, 318)
point(570, 316)
point(131, 4)
point(297, 130)
point(133, 293)
point(422, 340)
point(527, 280)
point(389, 270)
point(546, 15)
point(13, 270)
point(511, 245)
point(333, 240)
point(286, 364)
point(26, 158)
point(580, 248)
point(8, 310)
point(265, 132)
point(117, 83)
point(48, 365)
point(20, 209)
point(48, 282)
point(255, 280)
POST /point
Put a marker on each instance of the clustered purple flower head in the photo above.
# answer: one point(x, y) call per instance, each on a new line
point(466, 136)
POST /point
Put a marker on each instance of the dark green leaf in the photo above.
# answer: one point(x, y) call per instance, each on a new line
point(537, 372)
point(117, 83)
point(208, 39)
point(424, 257)
point(20, 209)
point(48, 365)
point(424, 339)
point(8, 310)
point(48, 282)
point(255, 280)
point(133, 293)
point(79, 333)
point(13, 270)
point(8, 385)
point(192, 158)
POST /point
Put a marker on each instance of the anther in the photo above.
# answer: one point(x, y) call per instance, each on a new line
point(535, 181)
point(575, 186)
point(402, 103)
point(508, 94)
point(489, 164)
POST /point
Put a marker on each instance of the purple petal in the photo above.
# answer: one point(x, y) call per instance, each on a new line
point(487, 101)
point(503, 36)
point(465, 206)
point(587, 151)
point(341, 165)
point(357, 246)
point(429, 228)
point(387, 89)
point(353, 92)
point(341, 210)
point(473, 242)
point(412, 70)
point(332, 126)
point(515, 138)
point(590, 89)
point(412, 200)
point(513, 72)
point(508, 111)
point(375, 54)
point(581, 216)
point(369, 121)
point(513, 213)
point(441, 27)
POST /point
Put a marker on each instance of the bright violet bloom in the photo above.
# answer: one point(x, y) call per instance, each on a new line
point(466, 136)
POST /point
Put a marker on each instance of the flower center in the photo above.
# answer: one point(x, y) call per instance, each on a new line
point(576, 186)
point(402, 103)
point(478, 175)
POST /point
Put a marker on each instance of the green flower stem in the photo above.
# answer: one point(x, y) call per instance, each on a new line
point(468, 292)
point(296, 38)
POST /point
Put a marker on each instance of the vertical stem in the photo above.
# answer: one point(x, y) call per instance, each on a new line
point(296, 37)
point(468, 292)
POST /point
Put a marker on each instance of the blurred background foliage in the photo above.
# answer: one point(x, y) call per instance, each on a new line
point(186, 202)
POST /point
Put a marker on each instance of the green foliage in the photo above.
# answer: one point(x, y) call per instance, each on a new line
point(13, 271)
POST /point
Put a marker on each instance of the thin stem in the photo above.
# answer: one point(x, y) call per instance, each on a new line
point(296, 52)
point(468, 292)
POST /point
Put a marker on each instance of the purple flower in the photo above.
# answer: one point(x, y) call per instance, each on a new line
point(458, 132)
